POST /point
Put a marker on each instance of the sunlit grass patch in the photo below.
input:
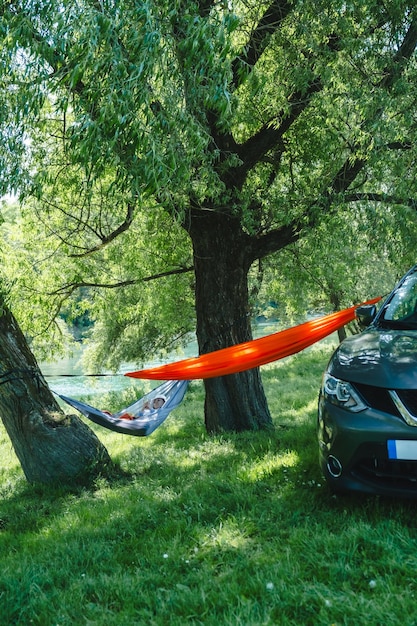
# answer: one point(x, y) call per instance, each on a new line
point(231, 533)
point(236, 530)
point(268, 465)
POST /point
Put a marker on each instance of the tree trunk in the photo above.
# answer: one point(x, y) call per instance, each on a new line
point(52, 448)
point(235, 402)
point(335, 302)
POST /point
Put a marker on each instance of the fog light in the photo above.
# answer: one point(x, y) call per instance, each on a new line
point(334, 466)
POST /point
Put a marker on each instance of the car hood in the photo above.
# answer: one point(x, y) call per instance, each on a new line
point(379, 357)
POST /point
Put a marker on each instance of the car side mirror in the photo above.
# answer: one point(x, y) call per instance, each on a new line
point(366, 314)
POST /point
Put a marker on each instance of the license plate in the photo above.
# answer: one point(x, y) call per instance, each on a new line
point(402, 450)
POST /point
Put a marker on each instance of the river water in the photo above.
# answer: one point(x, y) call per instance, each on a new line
point(67, 377)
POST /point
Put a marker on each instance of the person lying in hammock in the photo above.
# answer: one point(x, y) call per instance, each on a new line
point(149, 407)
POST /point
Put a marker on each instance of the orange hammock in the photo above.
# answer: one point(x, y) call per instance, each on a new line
point(245, 356)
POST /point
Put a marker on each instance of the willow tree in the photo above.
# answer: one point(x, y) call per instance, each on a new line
point(242, 125)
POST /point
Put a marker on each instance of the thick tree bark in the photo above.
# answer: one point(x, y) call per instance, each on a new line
point(236, 402)
point(52, 448)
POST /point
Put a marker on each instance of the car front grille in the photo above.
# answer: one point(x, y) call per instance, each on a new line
point(380, 399)
point(401, 475)
point(371, 465)
point(409, 398)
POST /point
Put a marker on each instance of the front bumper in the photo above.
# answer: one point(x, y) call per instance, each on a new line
point(353, 451)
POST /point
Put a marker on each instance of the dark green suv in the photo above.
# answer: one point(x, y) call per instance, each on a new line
point(367, 416)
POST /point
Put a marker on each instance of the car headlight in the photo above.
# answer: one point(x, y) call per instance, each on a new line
point(341, 393)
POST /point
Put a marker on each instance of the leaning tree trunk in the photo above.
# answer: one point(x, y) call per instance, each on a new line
point(52, 448)
point(235, 402)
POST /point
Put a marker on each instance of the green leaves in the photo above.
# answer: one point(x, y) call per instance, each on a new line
point(109, 105)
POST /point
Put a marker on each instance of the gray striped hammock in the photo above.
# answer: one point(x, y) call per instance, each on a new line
point(136, 419)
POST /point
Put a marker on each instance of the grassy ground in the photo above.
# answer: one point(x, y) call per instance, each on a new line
point(233, 530)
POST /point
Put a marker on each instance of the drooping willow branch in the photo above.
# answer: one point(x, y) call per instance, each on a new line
point(106, 239)
point(380, 197)
point(68, 289)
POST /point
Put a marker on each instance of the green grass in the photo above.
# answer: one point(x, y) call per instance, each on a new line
point(237, 530)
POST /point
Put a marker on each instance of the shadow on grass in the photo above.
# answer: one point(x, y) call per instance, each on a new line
point(181, 471)
point(231, 529)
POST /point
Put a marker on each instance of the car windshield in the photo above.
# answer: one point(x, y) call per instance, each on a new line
point(401, 310)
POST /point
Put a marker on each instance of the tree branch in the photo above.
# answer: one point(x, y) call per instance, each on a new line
point(281, 237)
point(399, 145)
point(271, 20)
point(274, 240)
point(402, 56)
point(352, 166)
point(269, 136)
point(69, 288)
point(204, 7)
point(105, 240)
point(381, 197)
